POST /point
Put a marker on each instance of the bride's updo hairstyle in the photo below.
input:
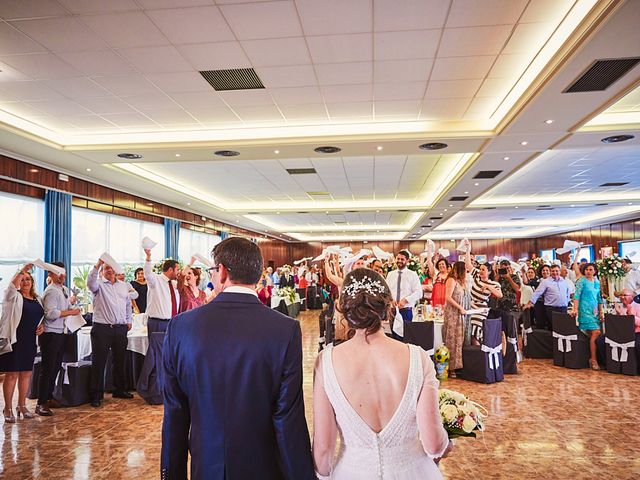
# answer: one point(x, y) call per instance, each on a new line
point(365, 300)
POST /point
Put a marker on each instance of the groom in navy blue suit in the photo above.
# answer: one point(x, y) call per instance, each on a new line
point(233, 382)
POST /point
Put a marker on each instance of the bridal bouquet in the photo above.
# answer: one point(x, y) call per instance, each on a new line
point(460, 416)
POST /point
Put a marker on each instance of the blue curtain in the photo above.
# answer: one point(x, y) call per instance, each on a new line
point(171, 238)
point(57, 229)
point(223, 235)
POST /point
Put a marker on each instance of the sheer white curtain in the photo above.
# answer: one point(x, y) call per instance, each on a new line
point(196, 242)
point(96, 232)
point(22, 239)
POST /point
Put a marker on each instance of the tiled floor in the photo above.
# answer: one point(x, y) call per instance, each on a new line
point(545, 422)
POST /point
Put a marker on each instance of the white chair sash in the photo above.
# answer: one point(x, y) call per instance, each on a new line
point(513, 341)
point(525, 335)
point(564, 341)
point(615, 347)
point(494, 355)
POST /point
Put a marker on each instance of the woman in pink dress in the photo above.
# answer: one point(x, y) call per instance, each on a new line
point(190, 295)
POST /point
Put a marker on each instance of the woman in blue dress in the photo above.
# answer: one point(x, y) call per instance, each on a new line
point(587, 304)
point(21, 317)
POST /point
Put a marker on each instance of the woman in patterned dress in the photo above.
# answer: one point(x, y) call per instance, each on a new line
point(455, 316)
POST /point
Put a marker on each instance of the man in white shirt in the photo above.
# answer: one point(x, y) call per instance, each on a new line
point(163, 298)
point(405, 286)
point(631, 279)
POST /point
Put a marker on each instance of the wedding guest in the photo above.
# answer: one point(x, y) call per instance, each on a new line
point(481, 289)
point(244, 418)
point(269, 277)
point(539, 316)
point(510, 286)
point(286, 279)
point(264, 295)
point(556, 295)
point(627, 307)
point(631, 279)
point(455, 328)
point(405, 286)
point(190, 294)
point(163, 298)
point(21, 316)
point(532, 279)
point(427, 284)
point(564, 273)
point(438, 291)
point(140, 286)
point(112, 319)
point(358, 386)
point(376, 266)
point(58, 304)
point(586, 302)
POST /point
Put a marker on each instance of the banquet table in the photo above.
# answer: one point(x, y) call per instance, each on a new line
point(438, 322)
point(285, 305)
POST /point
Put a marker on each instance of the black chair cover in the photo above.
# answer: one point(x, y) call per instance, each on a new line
point(570, 345)
point(33, 383)
point(76, 392)
point(620, 339)
point(483, 363)
point(149, 384)
point(70, 353)
point(133, 362)
point(537, 343)
point(510, 329)
point(420, 334)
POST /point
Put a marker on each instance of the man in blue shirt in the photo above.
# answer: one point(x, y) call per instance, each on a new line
point(556, 294)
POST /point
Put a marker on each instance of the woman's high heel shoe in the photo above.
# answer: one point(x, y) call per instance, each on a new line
point(24, 411)
point(594, 365)
point(8, 418)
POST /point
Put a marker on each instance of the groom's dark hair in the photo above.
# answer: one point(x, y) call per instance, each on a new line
point(241, 257)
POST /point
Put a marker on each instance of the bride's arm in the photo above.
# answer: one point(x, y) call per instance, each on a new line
point(433, 436)
point(325, 430)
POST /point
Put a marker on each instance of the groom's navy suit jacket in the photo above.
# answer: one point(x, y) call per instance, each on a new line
point(232, 376)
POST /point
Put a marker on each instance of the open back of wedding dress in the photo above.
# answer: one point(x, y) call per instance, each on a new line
point(394, 453)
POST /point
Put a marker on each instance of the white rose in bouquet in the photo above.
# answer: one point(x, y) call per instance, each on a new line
point(468, 424)
point(449, 413)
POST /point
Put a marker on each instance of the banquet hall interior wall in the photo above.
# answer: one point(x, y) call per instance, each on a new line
point(18, 177)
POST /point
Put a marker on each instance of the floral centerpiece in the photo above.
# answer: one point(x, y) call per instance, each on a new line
point(157, 267)
point(538, 262)
point(609, 269)
point(288, 293)
point(461, 417)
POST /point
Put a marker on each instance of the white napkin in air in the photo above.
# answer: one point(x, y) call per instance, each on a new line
point(49, 267)
point(109, 260)
point(203, 260)
point(568, 246)
point(147, 243)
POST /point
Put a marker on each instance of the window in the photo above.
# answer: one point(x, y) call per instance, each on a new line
point(585, 253)
point(630, 249)
point(196, 242)
point(548, 254)
point(25, 217)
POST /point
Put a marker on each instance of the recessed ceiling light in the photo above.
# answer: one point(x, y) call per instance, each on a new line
point(34, 170)
point(188, 203)
point(441, 214)
point(516, 207)
point(548, 122)
point(630, 203)
point(327, 211)
point(226, 153)
point(130, 156)
point(377, 211)
point(466, 193)
point(572, 206)
point(433, 146)
point(617, 138)
point(88, 169)
point(379, 147)
point(150, 204)
point(327, 149)
point(276, 151)
point(505, 158)
point(476, 184)
point(451, 205)
point(445, 209)
point(177, 154)
point(524, 142)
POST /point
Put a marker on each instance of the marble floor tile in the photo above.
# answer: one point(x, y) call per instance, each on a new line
point(544, 422)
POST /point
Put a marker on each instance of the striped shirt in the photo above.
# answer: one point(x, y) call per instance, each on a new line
point(479, 297)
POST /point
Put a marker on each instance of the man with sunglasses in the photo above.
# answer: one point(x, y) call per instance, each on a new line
point(57, 306)
point(232, 378)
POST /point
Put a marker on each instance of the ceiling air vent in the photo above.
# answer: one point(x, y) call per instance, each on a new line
point(318, 194)
point(601, 204)
point(614, 184)
point(489, 208)
point(226, 153)
point(545, 208)
point(458, 199)
point(327, 149)
point(232, 79)
point(300, 171)
point(602, 74)
point(488, 173)
point(435, 218)
point(517, 218)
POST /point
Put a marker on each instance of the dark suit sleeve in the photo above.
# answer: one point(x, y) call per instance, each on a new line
point(288, 419)
point(177, 420)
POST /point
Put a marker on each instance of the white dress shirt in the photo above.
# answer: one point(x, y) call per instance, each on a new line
point(410, 287)
point(631, 281)
point(238, 289)
point(111, 301)
point(158, 294)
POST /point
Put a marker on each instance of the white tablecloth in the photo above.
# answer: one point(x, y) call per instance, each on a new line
point(137, 341)
point(275, 300)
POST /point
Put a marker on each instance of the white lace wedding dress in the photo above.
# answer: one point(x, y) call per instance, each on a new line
point(395, 453)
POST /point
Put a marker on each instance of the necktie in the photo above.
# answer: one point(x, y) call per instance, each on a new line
point(398, 285)
point(174, 303)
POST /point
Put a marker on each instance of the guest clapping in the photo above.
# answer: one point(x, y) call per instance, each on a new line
point(587, 305)
point(21, 315)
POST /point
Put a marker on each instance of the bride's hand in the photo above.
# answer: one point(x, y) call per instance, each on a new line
point(446, 452)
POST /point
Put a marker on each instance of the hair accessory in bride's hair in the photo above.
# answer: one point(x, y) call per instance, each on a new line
point(367, 284)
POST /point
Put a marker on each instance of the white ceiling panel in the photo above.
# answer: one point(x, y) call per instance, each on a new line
point(292, 76)
point(303, 112)
point(128, 119)
point(199, 100)
point(474, 41)
point(77, 36)
point(407, 70)
point(156, 59)
point(23, 9)
point(77, 87)
point(206, 24)
point(103, 105)
point(41, 65)
point(452, 89)
point(219, 114)
point(444, 108)
point(126, 30)
point(258, 113)
point(59, 107)
point(98, 6)
point(277, 52)
point(397, 107)
point(347, 93)
point(391, 15)
point(212, 56)
point(13, 41)
point(350, 109)
point(344, 73)
point(105, 62)
point(28, 91)
point(528, 38)
point(462, 68)
point(126, 84)
point(247, 98)
point(179, 82)
point(335, 16)
point(406, 45)
point(340, 48)
point(296, 95)
point(471, 13)
point(399, 91)
point(263, 20)
point(151, 4)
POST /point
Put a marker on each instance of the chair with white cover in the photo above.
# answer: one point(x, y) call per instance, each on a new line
point(483, 363)
point(570, 346)
point(619, 338)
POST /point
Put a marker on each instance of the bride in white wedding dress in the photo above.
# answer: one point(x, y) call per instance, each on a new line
point(379, 395)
